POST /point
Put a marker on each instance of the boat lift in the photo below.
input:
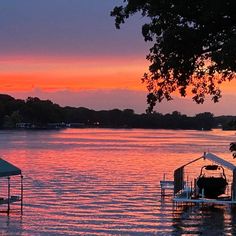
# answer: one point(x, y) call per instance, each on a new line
point(7, 170)
point(183, 193)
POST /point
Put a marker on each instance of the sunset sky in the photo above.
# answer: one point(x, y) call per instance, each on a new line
point(69, 51)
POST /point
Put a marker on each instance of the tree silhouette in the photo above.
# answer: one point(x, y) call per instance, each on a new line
point(232, 148)
point(194, 45)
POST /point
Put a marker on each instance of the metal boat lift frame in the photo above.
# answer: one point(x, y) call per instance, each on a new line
point(8, 170)
point(184, 194)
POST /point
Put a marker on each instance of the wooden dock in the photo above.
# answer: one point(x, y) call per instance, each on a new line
point(166, 185)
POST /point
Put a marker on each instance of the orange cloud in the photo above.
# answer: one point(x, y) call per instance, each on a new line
point(96, 73)
point(54, 74)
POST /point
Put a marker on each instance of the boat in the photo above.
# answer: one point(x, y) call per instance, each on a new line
point(212, 181)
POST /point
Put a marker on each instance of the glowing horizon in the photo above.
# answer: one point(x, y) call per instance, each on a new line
point(72, 74)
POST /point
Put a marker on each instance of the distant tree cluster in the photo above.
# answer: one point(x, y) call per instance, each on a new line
point(43, 112)
point(33, 110)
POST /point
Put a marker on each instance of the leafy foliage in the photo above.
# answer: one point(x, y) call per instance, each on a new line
point(232, 148)
point(194, 45)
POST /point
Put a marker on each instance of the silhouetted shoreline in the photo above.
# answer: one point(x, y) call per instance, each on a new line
point(36, 114)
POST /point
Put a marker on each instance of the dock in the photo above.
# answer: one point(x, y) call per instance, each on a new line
point(166, 185)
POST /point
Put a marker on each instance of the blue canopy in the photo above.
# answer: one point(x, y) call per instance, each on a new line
point(7, 169)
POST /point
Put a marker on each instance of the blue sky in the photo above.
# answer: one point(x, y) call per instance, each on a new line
point(66, 27)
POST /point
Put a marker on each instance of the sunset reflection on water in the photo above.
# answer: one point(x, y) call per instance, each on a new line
point(105, 181)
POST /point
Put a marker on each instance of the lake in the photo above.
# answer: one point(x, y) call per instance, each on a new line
point(106, 182)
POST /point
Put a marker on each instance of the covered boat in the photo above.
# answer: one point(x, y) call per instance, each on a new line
point(212, 181)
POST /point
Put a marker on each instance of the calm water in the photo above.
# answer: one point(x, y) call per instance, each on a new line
point(105, 182)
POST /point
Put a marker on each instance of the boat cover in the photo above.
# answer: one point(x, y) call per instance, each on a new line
point(7, 169)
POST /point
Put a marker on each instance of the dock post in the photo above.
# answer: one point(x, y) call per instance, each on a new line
point(195, 188)
point(191, 187)
point(164, 178)
point(22, 189)
point(9, 194)
point(162, 187)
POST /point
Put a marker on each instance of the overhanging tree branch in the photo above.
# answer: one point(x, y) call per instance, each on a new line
point(194, 45)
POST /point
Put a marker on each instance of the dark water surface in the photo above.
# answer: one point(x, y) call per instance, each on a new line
point(106, 182)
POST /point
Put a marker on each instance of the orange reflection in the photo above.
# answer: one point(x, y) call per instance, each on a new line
point(104, 181)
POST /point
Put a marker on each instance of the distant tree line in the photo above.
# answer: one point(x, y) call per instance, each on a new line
point(43, 112)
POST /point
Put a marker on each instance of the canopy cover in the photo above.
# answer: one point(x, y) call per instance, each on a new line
point(220, 161)
point(7, 169)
